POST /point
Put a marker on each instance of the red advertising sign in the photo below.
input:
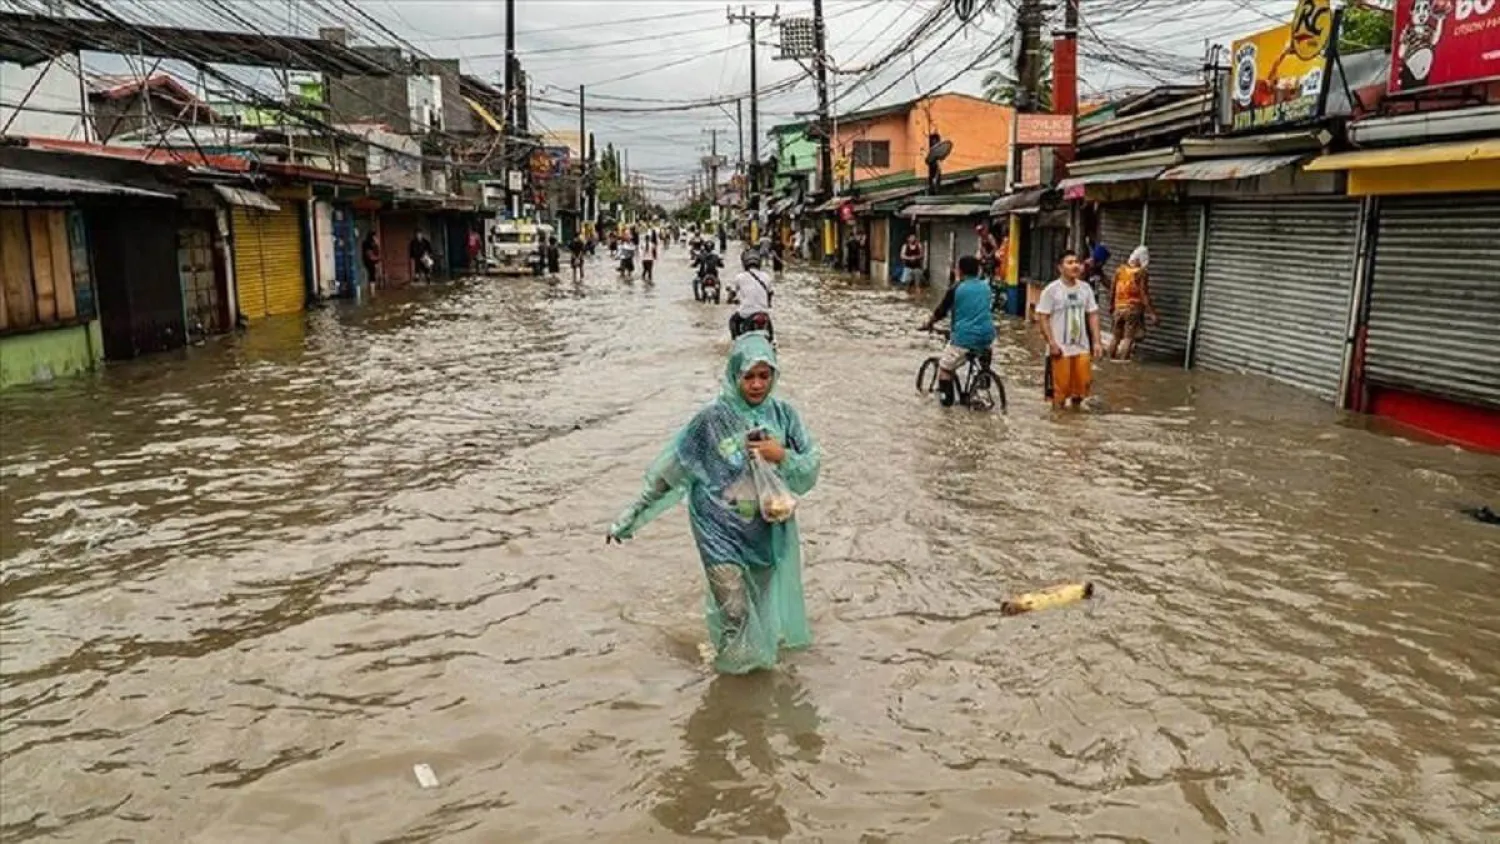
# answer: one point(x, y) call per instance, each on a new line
point(1046, 130)
point(1438, 43)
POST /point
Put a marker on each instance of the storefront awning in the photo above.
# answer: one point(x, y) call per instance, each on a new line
point(1112, 177)
point(830, 205)
point(867, 203)
point(246, 198)
point(1444, 153)
point(1224, 169)
point(965, 210)
point(27, 182)
point(1025, 202)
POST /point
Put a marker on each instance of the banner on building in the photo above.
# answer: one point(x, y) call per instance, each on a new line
point(1277, 76)
point(1440, 43)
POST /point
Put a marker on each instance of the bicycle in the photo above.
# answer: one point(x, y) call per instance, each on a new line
point(979, 388)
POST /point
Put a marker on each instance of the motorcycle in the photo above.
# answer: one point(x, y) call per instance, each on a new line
point(709, 288)
point(759, 321)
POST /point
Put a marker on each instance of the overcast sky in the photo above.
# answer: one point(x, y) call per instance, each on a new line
point(686, 50)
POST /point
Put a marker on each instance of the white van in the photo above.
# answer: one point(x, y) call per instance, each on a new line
point(511, 246)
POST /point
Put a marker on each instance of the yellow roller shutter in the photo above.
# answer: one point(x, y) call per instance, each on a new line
point(268, 261)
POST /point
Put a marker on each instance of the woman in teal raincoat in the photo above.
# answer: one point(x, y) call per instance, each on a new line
point(753, 567)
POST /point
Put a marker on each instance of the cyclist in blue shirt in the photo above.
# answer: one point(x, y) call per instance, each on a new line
point(970, 301)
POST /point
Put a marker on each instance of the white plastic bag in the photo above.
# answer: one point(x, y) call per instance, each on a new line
point(777, 504)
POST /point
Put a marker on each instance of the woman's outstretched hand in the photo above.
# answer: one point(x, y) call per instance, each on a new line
point(769, 450)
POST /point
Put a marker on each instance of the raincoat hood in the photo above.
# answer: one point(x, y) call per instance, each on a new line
point(749, 349)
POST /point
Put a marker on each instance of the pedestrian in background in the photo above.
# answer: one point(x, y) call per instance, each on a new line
point(648, 259)
point(912, 259)
point(1070, 325)
point(420, 253)
point(986, 251)
point(1131, 306)
point(370, 252)
point(474, 244)
point(554, 257)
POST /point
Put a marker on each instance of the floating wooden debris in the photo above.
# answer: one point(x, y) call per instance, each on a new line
point(1057, 596)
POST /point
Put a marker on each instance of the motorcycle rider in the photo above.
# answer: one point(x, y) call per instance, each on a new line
point(707, 262)
point(752, 288)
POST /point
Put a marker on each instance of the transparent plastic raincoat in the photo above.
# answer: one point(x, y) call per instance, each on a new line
point(753, 567)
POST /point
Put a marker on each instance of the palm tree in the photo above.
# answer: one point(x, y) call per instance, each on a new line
point(1000, 83)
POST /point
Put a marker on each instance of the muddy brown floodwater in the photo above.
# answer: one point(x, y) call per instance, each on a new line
point(246, 590)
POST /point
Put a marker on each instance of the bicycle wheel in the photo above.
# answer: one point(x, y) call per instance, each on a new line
point(927, 376)
point(985, 391)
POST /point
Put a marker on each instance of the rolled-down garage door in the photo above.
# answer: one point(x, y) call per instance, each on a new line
point(1276, 284)
point(268, 249)
point(1172, 236)
point(1120, 232)
point(1434, 321)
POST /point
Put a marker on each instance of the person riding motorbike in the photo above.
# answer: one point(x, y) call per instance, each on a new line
point(708, 264)
point(752, 289)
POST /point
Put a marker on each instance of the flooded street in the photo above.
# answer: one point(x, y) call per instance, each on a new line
point(245, 591)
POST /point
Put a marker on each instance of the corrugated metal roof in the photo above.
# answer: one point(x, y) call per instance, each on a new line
point(25, 181)
point(1023, 202)
point(1109, 178)
point(1223, 169)
point(246, 198)
point(955, 210)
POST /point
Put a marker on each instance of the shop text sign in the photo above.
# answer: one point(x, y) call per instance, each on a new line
point(1438, 43)
point(1044, 130)
point(1276, 76)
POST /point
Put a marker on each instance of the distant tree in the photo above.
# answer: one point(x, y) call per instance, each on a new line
point(1000, 83)
point(1365, 28)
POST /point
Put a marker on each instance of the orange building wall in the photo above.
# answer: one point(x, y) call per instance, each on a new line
point(979, 130)
point(891, 128)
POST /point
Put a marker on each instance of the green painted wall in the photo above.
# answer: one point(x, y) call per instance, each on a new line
point(795, 153)
point(41, 356)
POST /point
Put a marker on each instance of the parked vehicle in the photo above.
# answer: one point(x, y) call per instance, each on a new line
point(511, 246)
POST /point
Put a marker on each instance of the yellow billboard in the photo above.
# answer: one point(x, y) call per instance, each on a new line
point(1277, 76)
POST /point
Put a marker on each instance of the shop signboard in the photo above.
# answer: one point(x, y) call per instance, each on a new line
point(1277, 75)
point(1442, 43)
point(1031, 167)
point(1044, 130)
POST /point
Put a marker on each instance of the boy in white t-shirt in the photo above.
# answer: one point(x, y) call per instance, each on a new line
point(1070, 325)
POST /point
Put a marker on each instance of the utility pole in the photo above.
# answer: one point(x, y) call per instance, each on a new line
point(825, 123)
point(508, 122)
point(739, 127)
point(1028, 81)
point(713, 170)
point(754, 18)
point(592, 181)
point(582, 161)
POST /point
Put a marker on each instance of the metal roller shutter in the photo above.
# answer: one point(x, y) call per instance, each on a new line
point(1120, 232)
point(1172, 236)
point(1434, 321)
point(944, 251)
point(268, 261)
point(1276, 283)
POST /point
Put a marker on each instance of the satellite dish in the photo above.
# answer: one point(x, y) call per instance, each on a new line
point(939, 152)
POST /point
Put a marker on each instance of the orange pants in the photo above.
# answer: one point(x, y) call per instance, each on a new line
point(1072, 378)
